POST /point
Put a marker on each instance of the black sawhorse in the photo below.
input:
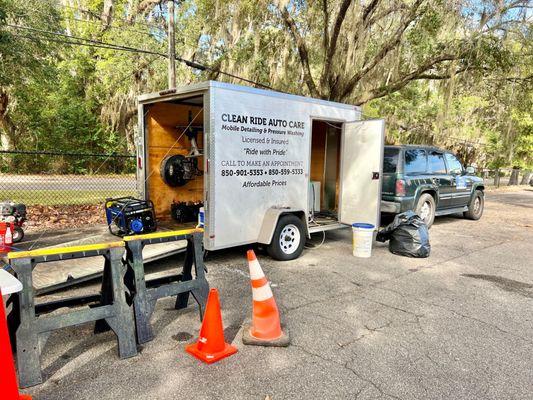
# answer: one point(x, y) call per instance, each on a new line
point(146, 293)
point(32, 328)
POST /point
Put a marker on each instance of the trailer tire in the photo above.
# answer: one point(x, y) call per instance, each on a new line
point(288, 240)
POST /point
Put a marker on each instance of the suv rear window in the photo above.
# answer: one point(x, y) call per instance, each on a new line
point(436, 163)
point(415, 161)
point(390, 160)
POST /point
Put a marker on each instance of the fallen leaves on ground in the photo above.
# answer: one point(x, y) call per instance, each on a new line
point(42, 217)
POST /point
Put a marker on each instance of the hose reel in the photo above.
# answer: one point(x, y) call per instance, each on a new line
point(177, 170)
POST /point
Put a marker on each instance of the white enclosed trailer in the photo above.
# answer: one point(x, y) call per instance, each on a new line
point(272, 168)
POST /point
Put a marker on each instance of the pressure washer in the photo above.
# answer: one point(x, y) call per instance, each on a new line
point(14, 214)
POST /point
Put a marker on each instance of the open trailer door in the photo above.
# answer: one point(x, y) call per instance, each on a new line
point(361, 169)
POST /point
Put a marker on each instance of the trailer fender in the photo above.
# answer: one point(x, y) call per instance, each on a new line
point(270, 222)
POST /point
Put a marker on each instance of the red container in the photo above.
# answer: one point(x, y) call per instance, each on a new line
point(6, 237)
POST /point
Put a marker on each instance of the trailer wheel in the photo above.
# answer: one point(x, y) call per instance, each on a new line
point(288, 240)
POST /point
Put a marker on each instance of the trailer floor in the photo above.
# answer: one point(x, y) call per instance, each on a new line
point(457, 325)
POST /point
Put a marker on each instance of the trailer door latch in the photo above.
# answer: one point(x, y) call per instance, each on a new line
point(375, 175)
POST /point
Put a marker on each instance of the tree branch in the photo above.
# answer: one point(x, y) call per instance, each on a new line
point(302, 51)
point(337, 28)
point(325, 42)
point(107, 14)
point(386, 48)
point(503, 26)
point(418, 73)
point(366, 17)
point(331, 48)
point(368, 10)
point(385, 13)
point(433, 77)
point(145, 4)
point(501, 9)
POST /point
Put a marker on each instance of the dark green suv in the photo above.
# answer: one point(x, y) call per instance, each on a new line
point(429, 181)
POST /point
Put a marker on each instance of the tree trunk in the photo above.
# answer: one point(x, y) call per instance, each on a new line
point(7, 127)
point(526, 178)
point(107, 14)
point(513, 180)
point(171, 46)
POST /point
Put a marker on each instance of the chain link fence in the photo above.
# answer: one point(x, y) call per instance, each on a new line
point(65, 190)
point(69, 189)
point(55, 179)
point(506, 177)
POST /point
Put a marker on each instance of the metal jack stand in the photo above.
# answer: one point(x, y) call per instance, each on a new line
point(146, 293)
point(32, 330)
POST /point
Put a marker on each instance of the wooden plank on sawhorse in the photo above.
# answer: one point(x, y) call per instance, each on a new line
point(32, 329)
point(146, 295)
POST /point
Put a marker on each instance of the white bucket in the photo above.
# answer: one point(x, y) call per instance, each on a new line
point(362, 239)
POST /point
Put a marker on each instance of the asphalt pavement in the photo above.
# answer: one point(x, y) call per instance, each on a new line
point(457, 325)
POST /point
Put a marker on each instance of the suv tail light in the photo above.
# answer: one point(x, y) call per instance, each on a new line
point(400, 187)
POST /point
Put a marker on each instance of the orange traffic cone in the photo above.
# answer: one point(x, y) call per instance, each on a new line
point(8, 379)
point(211, 345)
point(266, 326)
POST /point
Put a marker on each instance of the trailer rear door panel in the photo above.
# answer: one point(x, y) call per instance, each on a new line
point(361, 169)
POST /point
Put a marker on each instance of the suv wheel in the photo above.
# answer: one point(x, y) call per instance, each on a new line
point(425, 208)
point(476, 206)
point(288, 240)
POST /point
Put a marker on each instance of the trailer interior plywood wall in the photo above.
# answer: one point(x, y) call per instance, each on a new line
point(325, 165)
point(165, 123)
point(318, 155)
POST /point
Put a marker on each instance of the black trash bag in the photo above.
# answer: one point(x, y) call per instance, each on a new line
point(408, 235)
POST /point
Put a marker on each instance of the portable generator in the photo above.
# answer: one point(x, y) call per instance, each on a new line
point(130, 216)
point(14, 214)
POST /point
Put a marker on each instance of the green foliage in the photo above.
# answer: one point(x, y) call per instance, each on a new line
point(63, 97)
point(58, 94)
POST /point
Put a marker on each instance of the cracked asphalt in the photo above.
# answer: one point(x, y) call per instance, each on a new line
point(457, 325)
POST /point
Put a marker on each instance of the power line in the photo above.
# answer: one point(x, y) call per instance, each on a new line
point(125, 22)
point(111, 26)
point(80, 41)
point(92, 45)
point(98, 21)
point(63, 41)
point(112, 46)
point(60, 153)
point(64, 35)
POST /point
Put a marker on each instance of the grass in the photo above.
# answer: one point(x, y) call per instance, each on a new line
point(61, 197)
